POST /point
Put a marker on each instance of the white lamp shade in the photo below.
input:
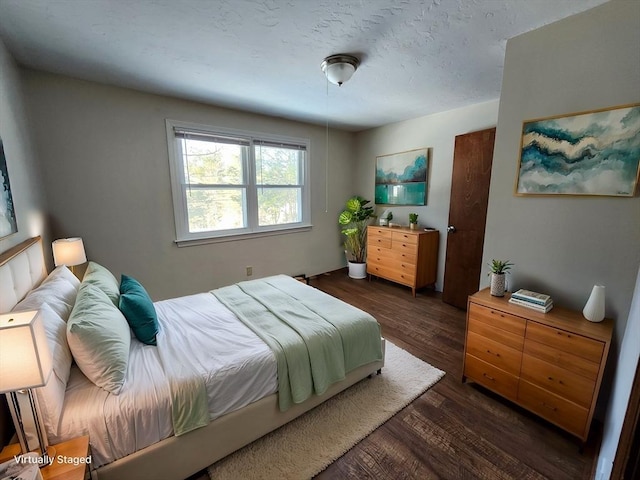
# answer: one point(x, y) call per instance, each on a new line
point(594, 308)
point(25, 358)
point(68, 251)
point(339, 68)
point(338, 73)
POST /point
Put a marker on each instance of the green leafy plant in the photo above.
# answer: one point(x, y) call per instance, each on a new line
point(413, 218)
point(500, 266)
point(355, 219)
point(389, 216)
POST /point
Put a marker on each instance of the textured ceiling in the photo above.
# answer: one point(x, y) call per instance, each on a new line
point(417, 57)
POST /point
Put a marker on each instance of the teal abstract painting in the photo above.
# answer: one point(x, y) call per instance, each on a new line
point(401, 178)
point(592, 153)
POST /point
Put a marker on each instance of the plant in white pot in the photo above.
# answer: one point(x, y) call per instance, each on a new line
point(354, 219)
point(498, 271)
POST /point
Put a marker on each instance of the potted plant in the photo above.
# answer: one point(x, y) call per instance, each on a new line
point(354, 220)
point(413, 221)
point(498, 271)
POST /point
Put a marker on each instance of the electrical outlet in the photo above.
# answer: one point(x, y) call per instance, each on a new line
point(249, 271)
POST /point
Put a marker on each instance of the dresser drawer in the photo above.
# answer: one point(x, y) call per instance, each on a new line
point(390, 257)
point(491, 377)
point(569, 361)
point(396, 275)
point(379, 232)
point(557, 380)
point(401, 237)
point(380, 255)
point(497, 318)
point(576, 344)
point(404, 257)
point(497, 354)
point(497, 334)
point(378, 241)
point(404, 247)
point(563, 413)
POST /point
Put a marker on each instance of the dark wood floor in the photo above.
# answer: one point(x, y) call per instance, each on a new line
point(454, 430)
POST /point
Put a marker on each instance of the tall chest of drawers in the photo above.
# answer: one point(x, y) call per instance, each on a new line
point(549, 363)
point(402, 255)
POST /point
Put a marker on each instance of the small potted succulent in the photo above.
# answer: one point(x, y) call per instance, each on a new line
point(413, 221)
point(498, 271)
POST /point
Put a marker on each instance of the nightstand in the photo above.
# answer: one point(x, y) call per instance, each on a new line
point(70, 460)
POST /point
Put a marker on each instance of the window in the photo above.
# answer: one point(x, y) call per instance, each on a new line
point(229, 183)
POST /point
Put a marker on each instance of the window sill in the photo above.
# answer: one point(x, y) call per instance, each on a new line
point(243, 236)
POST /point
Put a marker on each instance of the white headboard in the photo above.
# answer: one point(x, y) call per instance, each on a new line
point(21, 269)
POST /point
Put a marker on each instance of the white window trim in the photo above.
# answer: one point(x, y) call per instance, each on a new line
point(186, 238)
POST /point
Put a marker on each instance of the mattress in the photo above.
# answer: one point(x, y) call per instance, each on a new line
point(237, 368)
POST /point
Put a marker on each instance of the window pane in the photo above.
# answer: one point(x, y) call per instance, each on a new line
point(212, 163)
point(277, 165)
point(215, 209)
point(277, 206)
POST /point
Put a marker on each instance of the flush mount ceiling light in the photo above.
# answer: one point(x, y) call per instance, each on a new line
point(339, 68)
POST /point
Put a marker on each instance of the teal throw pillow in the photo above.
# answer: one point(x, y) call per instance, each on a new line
point(138, 309)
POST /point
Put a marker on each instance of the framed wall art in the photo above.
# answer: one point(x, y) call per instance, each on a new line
point(589, 153)
point(401, 178)
point(8, 223)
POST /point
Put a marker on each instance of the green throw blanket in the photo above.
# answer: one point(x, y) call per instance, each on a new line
point(315, 337)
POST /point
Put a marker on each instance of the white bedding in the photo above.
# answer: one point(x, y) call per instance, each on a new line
point(238, 368)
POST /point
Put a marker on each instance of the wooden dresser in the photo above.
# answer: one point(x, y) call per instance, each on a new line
point(549, 363)
point(402, 255)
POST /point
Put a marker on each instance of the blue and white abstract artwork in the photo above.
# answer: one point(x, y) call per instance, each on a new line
point(594, 153)
point(8, 223)
point(401, 178)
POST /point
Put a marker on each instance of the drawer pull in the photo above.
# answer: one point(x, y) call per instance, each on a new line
point(550, 407)
point(493, 312)
point(489, 377)
point(568, 335)
point(493, 353)
point(553, 380)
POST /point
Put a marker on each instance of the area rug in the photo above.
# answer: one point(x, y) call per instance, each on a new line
point(309, 444)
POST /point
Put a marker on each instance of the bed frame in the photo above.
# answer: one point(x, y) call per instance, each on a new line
point(23, 268)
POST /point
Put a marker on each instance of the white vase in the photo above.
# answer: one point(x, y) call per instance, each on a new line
point(497, 284)
point(357, 270)
point(594, 308)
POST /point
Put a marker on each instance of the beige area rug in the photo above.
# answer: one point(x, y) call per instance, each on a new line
point(309, 444)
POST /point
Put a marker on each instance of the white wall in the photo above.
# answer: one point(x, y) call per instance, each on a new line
point(565, 245)
point(104, 155)
point(437, 132)
point(24, 177)
point(622, 383)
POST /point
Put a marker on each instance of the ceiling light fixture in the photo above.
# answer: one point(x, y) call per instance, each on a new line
point(339, 68)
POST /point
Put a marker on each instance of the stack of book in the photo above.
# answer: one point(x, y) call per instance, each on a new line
point(534, 300)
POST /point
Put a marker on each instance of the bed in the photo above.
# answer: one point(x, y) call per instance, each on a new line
point(175, 414)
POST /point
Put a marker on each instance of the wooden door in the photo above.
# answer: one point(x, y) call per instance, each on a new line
point(472, 158)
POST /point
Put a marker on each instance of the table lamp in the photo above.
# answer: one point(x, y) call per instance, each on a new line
point(69, 252)
point(25, 363)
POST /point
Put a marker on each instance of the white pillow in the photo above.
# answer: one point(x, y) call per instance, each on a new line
point(57, 290)
point(51, 396)
point(99, 338)
point(63, 272)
